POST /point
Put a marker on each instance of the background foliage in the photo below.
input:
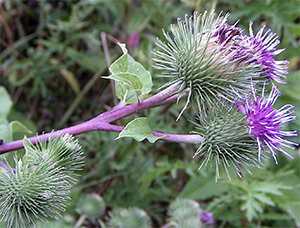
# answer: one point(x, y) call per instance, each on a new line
point(52, 56)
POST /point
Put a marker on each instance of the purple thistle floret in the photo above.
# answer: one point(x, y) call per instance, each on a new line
point(206, 217)
point(226, 33)
point(264, 121)
point(260, 51)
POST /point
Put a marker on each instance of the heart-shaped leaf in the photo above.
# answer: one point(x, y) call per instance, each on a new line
point(5, 101)
point(139, 130)
point(131, 78)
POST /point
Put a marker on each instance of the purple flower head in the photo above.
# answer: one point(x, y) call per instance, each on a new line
point(206, 217)
point(264, 121)
point(226, 33)
point(260, 51)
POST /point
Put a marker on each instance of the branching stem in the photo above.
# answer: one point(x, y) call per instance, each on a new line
point(103, 122)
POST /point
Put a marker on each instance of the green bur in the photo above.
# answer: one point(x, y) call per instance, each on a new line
point(226, 140)
point(131, 217)
point(92, 206)
point(38, 188)
point(184, 213)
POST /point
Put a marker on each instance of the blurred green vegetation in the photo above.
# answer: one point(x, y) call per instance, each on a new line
point(52, 56)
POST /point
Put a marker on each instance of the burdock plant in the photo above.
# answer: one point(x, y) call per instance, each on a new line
point(214, 66)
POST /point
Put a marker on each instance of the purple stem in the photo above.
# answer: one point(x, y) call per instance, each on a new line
point(128, 110)
point(170, 137)
point(102, 122)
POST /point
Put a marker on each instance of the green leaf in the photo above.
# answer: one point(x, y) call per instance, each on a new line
point(295, 29)
point(131, 78)
point(275, 216)
point(291, 90)
point(71, 79)
point(5, 101)
point(5, 129)
point(27, 144)
point(139, 130)
point(294, 208)
point(251, 206)
point(23, 126)
point(16, 126)
point(270, 188)
point(264, 199)
point(202, 188)
point(89, 61)
point(161, 167)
